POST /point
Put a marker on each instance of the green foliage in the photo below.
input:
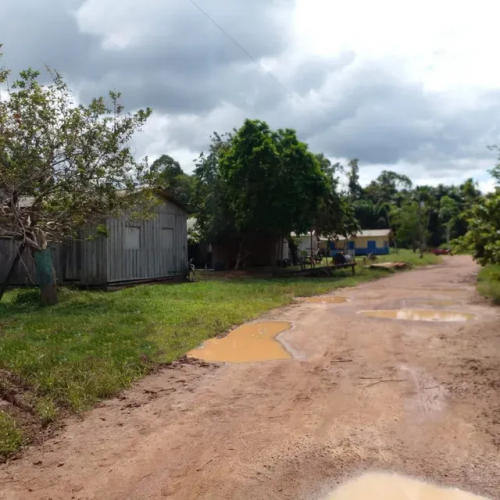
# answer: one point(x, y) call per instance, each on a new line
point(448, 214)
point(489, 282)
point(63, 165)
point(260, 181)
point(173, 180)
point(463, 244)
point(484, 228)
point(215, 219)
point(354, 187)
point(389, 187)
point(29, 296)
point(46, 411)
point(11, 438)
point(420, 216)
point(410, 257)
point(273, 183)
point(93, 344)
point(405, 219)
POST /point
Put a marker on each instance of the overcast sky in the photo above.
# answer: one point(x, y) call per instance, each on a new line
point(408, 86)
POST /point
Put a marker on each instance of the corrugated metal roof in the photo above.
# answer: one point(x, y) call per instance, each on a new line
point(369, 233)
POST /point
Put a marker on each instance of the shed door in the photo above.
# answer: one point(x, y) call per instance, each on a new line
point(372, 246)
point(167, 246)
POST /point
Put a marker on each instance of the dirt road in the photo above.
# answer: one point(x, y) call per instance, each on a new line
point(361, 393)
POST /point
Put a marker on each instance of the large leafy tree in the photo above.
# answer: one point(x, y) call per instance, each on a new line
point(260, 181)
point(483, 218)
point(215, 219)
point(355, 189)
point(406, 224)
point(179, 185)
point(62, 165)
point(448, 214)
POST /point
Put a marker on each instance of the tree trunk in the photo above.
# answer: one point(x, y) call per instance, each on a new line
point(392, 230)
point(45, 275)
point(240, 253)
point(5, 284)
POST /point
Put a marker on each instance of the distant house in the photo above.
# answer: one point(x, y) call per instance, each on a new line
point(133, 251)
point(366, 241)
point(306, 242)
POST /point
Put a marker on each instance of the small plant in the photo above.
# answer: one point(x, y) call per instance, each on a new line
point(30, 296)
point(46, 411)
point(11, 437)
point(489, 283)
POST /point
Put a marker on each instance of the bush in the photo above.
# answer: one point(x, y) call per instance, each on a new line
point(11, 437)
point(489, 283)
point(29, 296)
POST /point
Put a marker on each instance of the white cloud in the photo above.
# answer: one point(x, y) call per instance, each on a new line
point(409, 86)
point(444, 44)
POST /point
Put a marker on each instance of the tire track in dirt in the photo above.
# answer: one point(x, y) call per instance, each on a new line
point(362, 394)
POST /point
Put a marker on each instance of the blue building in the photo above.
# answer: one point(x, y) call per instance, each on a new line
point(366, 241)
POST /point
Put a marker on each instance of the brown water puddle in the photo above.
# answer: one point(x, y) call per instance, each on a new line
point(247, 343)
point(419, 315)
point(432, 302)
point(334, 299)
point(391, 486)
point(445, 290)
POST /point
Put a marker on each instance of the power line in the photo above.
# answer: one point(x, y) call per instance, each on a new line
point(245, 51)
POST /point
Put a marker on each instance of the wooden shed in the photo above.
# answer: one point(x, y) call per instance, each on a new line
point(133, 251)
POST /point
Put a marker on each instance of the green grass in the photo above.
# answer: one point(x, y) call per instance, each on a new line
point(93, 344)
point(489, 282)
point(412, 258)
point(11, 437)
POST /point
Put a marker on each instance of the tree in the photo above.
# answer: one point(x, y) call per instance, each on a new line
point(264, 182)
point(369, 214)
point(63, 165)
point(483, 218)
point(389, 187)
point(484, 228)
point(355, 189)
point(273, 183)
point(214, 218)
point(448, 213)
point(179, 185)
point(405, 220)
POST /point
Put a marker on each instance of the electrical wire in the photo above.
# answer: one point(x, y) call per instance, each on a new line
point(245, 51)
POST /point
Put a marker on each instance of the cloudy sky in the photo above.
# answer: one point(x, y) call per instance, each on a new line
point(408, 86)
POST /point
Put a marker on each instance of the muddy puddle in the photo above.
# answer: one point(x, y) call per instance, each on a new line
point(436, 303)
point(334, 299)
point(392, 486)
point(247, 343)
point(419, 315)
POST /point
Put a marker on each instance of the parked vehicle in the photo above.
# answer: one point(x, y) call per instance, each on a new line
point(441, 251)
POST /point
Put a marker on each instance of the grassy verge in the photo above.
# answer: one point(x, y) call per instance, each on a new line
point(489, 283)
point(10, 436)
point(93, 344)
point(412, 258)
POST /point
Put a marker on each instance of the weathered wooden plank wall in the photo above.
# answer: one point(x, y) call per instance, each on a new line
point(147, 249)
point(133, 250)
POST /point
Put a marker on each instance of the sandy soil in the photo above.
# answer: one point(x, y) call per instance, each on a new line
point(362, 393)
